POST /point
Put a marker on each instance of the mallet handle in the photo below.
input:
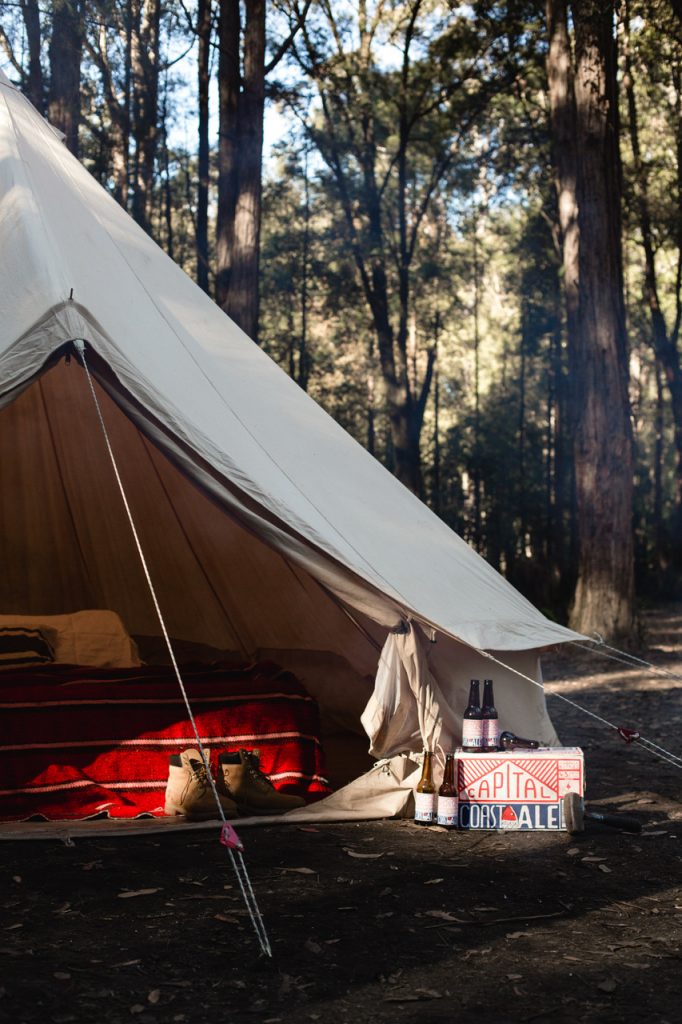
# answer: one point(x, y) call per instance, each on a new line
point(615, 821)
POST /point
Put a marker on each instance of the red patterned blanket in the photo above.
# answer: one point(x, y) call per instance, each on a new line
point(76, 742)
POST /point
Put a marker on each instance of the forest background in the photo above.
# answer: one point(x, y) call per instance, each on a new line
point(463, 239)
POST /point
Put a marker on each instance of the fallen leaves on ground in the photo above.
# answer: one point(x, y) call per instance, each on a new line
point(128, 894)
point(361, 856)
point(444, 915)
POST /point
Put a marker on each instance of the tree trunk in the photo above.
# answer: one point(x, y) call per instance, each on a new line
point(664, 344)
point(242, 300)
point(560, 81)
point(604, 596)
point(204, 34)
point(229, 86)
point(167, 185)
point(145, 87)
point(303, 353)
point(117, 102)
point(564, 155)
point(436, 503)
point(242, 103)
point(66, 47)
point(34, 86)
point(476, 469)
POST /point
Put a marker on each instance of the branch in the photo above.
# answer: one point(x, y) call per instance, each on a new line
point(7, 47)
point(426, 383)
point(286, 45)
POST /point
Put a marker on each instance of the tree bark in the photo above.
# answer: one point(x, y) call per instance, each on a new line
point(146, 16)
point(242, 299)
point(564, 156)
point(66, 47)
point(664, 342)
point(204, 36)
point(242, 104)
point(34, 85)
point(561, 92)
point(117, 101)
point(604, 596)
point(229, 86)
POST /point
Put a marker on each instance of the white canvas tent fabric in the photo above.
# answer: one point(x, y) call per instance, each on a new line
point(267, 526)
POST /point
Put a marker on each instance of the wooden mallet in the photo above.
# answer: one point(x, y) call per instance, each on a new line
point(575, 814)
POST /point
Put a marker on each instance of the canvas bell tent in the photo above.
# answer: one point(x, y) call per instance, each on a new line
point(268, 530)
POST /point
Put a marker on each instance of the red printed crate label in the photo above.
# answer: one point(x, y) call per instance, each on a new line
point(524, 780)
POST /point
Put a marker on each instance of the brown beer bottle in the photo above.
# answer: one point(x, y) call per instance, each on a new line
point(425, 795)
point(491, 728)
point(472, 723)
point(447, 795)
point(508, 741)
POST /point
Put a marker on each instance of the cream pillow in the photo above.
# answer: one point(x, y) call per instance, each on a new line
point(96, 638)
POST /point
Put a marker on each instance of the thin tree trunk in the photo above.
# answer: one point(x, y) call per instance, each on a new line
point(521, 450)
point(66, 47)
point(303, 354)
point(34, 85)
point(204, 35)
point(604, 596)
point(229, 86)
point(167, 191)
point(476, 469)
point(117, 104)
point(550, 473)
point(660, 539)
point(564, 155)
point(560, 79)
point(436, 502)
point(145, 87)
point(242, 104)
point(242, 300)
point(664, 344)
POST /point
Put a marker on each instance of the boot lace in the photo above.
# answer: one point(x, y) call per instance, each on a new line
point(200, 773)
point(255, 771)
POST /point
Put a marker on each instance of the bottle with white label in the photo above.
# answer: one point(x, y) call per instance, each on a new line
point(472, 724)
point(425, 794)
point(447, 795)
point(491, 725)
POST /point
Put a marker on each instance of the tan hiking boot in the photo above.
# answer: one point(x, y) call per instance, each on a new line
point(189, 790)
point(241, 778)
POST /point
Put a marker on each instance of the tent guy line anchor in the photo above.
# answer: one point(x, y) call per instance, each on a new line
point(228, 836)
point(629, 736)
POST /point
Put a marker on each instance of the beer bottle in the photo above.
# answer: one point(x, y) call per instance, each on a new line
point(491, 727)
point(425, 795)
point(508, 741)
point(472, 724)
point(447, 795)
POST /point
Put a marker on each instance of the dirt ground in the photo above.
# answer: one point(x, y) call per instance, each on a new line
point(425, 926)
